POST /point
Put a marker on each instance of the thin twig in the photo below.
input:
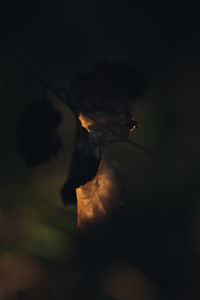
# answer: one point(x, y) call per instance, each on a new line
point(142, 148)
point(66, 99)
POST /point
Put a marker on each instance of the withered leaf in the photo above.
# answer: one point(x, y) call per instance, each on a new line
point(36, 132)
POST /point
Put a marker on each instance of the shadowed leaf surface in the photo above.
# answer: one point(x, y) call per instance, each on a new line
point(37, 139)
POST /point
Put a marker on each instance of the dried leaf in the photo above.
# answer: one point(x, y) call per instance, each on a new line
point(36, 132)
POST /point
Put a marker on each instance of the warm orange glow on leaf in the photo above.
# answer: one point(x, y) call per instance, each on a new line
point(101, 197)
point(85, 122)
point(107, 127)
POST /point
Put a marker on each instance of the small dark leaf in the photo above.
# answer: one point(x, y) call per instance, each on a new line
point(36, 132)
point(110, 87)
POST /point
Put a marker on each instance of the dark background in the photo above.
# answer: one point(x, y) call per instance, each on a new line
point(151, 249)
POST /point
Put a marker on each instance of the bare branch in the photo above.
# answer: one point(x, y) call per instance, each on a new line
point(142, 148)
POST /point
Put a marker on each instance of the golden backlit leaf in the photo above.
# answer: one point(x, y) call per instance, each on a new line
point(99, 198)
